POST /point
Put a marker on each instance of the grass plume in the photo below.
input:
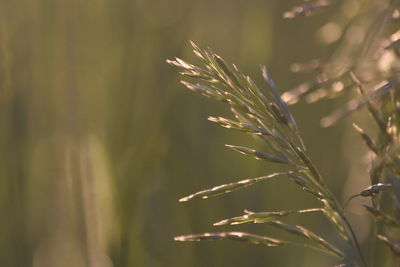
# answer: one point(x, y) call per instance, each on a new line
point(264, 115)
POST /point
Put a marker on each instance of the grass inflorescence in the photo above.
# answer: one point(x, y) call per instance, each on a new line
point(265, 115)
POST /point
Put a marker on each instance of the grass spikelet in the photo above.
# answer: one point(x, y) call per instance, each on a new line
point(227, 188)
point(374, 189)
point(383, 217)
point(366, 138)
point(392, 244)
point(241, 126)
point(262, 217)
point(237, 236)
point(258, 154)
point(204, 90)
point(301, 231)
point(250, 238)
point(232, 79)
point(283, 108)
point(337, 220)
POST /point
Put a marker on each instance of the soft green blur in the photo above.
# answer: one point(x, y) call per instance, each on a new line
point(99, 140)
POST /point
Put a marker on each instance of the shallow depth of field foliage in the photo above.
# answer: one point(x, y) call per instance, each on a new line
point(99, 140)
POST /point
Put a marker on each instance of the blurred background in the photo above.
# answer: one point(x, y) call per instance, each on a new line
point(99, 140)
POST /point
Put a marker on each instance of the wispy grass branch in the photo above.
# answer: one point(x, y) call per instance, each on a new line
point(263, 114)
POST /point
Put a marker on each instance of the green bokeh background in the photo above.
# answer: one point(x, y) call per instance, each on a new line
point(99, 140)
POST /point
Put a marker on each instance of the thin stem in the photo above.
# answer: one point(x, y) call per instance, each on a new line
point(354, 237)
point(350, 199)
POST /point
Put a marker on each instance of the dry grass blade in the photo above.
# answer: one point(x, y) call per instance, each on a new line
point(227, 188)
point(258, 154)
point(383, 217)
point(301, 231)
point(237, 236)
point(262, 217)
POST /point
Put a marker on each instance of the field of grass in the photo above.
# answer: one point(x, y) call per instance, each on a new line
point(99, 140)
